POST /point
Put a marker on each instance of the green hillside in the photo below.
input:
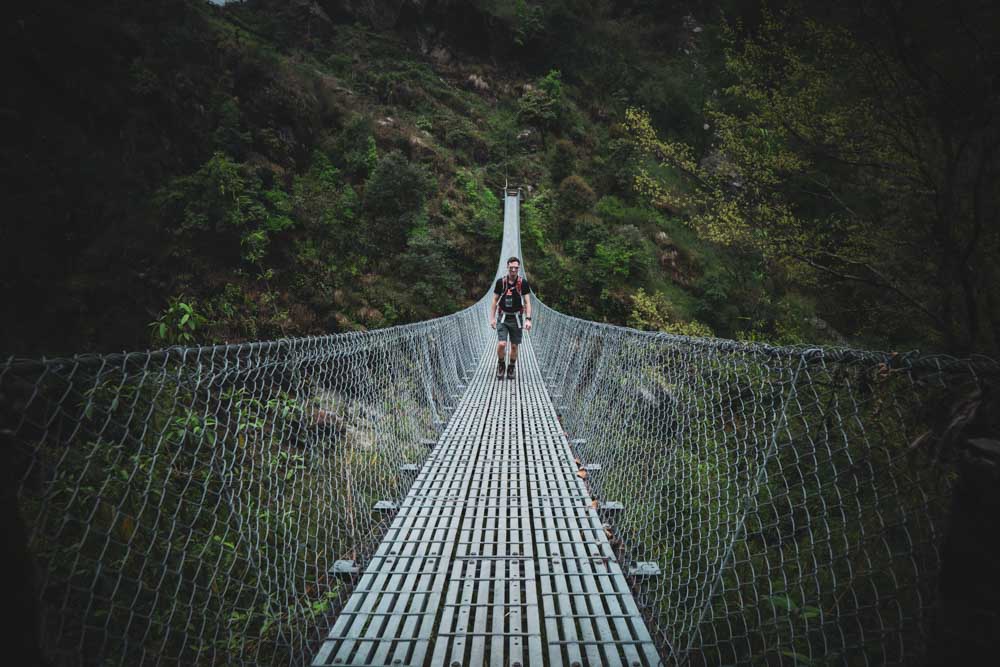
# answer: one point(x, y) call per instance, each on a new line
point(187, 173)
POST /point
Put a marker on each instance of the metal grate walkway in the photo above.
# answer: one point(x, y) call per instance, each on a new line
point(496, 556)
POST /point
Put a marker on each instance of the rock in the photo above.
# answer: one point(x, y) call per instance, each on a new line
point(354, 420)
point(662, 239)
point(529, 137)
point(440, 55)
point(370, 315)
point(343, 322)
point(668, 259)
point(478, 83)
point(647, 395)
point(419, 147)
point(822, 325)
point(718, 163)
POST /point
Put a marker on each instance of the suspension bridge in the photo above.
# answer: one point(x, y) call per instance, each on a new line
point(378, 498)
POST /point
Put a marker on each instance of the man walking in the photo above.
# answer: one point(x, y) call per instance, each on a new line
point(512, 294)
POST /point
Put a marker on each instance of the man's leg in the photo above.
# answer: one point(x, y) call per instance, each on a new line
point(513, 360)
point(501, 353)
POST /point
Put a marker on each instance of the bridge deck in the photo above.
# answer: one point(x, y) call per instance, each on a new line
point(496, 556)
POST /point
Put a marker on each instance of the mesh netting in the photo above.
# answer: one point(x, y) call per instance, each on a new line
point(187, 506)
point(776, 488)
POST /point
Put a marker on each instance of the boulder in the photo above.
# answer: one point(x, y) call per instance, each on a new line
point(419, 148)
point(477, 83)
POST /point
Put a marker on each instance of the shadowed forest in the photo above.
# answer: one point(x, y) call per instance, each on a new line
point(821, 178)
point(182, 172)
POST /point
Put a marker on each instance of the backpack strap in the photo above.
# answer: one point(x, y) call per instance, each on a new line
point(517, 286)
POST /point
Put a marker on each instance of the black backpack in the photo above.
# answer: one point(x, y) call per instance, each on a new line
point(506, 293)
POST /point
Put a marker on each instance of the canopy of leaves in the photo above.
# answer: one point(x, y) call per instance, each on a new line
point(839, 155)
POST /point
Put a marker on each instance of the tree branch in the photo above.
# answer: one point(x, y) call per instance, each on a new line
point(880, 281)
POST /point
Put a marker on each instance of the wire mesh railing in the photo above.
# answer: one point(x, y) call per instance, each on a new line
point(186, 506)
point(790, 496)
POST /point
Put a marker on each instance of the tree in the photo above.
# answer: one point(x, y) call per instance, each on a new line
point(562, 161)
point(542, 107)
point(223, 200)
point(575, 197)
point(354, 148)
point(653, 312)
point(858, 150)
point(394, 200)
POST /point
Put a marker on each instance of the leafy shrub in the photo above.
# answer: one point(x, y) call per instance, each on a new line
point(226, 198)
point(321, 198)
point(535, 216)
point(624, 255)
point(616, 163)
point(354, 148)
point(432, 279)
point(501, 134)
point(178, 324)
point(562, 160)
point(484, 204)
point(583, 237)
point(542, 107)
point(796, 322)
point(653, 312)
point(227, 137)
point(394, 200)
point(615, 211)
point(528, 22)
point(575, 196)
point(674, 97)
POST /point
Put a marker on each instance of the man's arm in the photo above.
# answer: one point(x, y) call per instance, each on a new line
point(493, 310)
point(527, 312)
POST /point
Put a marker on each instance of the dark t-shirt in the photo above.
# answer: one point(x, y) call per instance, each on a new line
point(510, 300)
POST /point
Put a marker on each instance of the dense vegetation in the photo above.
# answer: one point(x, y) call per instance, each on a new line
point(182, 172)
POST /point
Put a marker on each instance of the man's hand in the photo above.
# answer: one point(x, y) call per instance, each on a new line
point(493, 322)
point(527, 325)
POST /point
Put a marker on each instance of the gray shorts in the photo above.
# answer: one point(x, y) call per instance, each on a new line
point(509, 329)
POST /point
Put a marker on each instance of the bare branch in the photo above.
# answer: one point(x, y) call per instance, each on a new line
point(878, 280)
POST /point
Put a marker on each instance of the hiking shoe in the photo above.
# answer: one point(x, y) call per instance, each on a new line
point(501, 367)
point(510, 371)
